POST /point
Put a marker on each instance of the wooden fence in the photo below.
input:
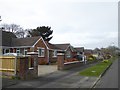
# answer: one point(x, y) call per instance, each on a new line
point(8, 65)
point(11, 65)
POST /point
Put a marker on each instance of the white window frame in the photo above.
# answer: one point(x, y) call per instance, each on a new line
point(25, 50)
point(78, 53)
point(42, 54)
point(55, 53)
point(5, 51)
point(18, 50)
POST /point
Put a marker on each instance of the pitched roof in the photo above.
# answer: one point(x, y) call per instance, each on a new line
point(9, 39)
point(62, 46)
point(6, 38)
point(88, 51)
point(29, 41)
point(79, 49)
point(51, 46)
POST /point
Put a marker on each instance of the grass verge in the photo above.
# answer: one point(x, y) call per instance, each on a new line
point(96, 70)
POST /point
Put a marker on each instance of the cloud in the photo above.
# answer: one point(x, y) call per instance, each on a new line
point(81, 23)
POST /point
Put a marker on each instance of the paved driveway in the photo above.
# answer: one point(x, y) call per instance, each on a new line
point(59, 79)
point(46, 69)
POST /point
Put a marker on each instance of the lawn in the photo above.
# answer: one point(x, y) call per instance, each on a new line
point(95, 70)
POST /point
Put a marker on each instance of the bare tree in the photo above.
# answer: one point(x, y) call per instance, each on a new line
point(14, 28)
point(6, 27)
point(20, 33)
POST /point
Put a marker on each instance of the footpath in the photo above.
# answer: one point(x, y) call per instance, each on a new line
point(110, 78)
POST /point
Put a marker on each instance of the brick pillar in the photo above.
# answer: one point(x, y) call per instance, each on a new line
point(35, 58)
point(23, 67)
point(60, 60)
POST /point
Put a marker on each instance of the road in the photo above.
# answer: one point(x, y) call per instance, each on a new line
point(110, 78)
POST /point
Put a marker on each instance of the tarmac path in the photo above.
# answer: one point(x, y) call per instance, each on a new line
point(110, 78)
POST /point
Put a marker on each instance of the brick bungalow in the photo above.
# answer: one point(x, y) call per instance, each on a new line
point(67, 48)
point(11, 44)
point(79, 50)
point(47, 52)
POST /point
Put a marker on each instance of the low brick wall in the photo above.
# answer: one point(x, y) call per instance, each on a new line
point(68, 65)
point(74, 64)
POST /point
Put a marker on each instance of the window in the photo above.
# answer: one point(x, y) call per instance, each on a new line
point(78, 53)
point(68, 54)
point(25, 51)
point(18, 51)
point(55, 53)
point(6, 50)
point(41, 52)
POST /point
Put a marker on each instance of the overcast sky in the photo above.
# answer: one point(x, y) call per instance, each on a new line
point(82, 23)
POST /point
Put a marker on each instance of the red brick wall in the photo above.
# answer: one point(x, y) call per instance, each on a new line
point(42, 60)
point(51, 58)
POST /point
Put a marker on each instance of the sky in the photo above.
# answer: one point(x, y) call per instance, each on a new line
point(82, 23)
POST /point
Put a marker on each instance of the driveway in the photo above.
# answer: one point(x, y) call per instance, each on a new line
point(59, 79)
point(46, 69)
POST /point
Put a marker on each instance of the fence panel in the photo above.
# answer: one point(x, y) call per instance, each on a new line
point(7, 65)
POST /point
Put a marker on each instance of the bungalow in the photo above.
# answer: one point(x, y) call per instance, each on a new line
point(11, 44)
point(47, 52)
point(88, 52)
point(80, 52)
point(67, 48)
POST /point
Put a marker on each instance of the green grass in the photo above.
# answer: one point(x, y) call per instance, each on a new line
point(95, 70)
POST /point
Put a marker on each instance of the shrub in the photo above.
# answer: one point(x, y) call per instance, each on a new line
point(90, 59)
point(108, 56)
point(16, 77)
point(105, 61)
